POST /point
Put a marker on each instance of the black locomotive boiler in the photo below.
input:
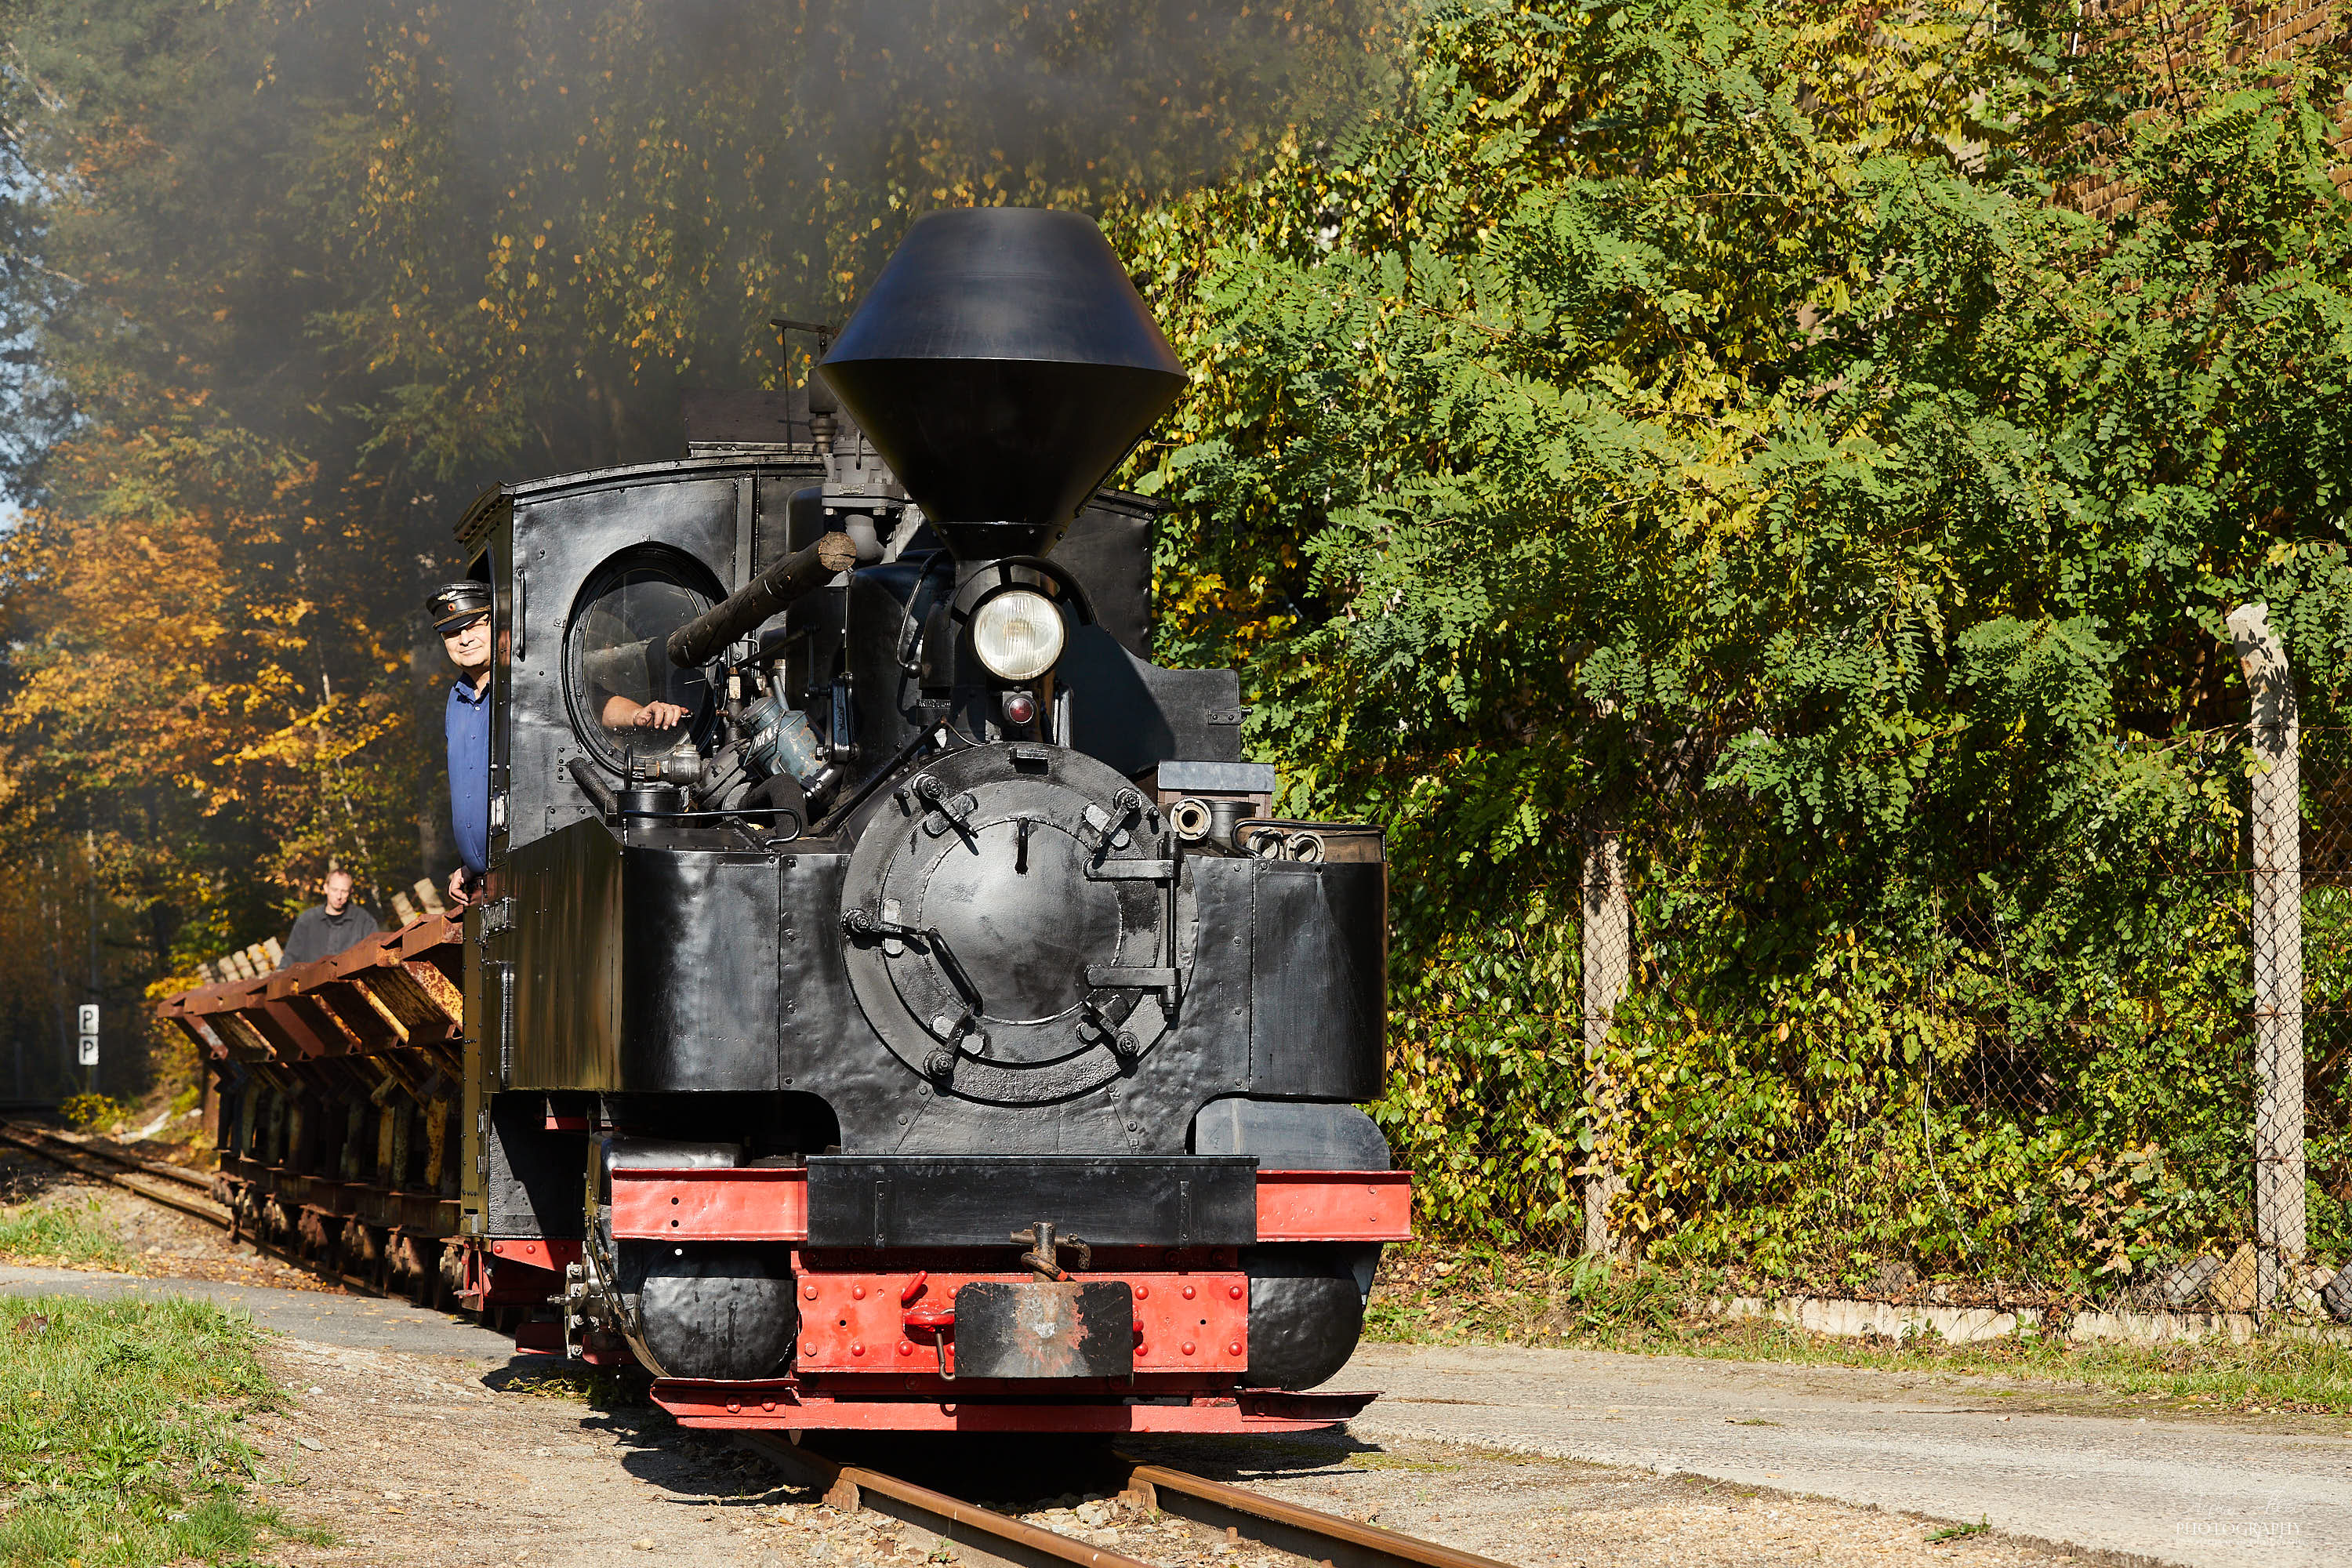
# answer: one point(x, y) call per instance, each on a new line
point(932, 1030)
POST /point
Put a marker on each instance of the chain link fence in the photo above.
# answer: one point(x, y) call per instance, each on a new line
point(2121, 1075)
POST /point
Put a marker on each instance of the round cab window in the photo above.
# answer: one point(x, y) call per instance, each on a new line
point(627, 699)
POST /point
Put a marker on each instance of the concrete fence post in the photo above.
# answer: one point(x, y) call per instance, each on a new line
point(1608, 944)
point(2276, 845)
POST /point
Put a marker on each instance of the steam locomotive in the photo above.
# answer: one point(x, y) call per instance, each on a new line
point(933, 1030)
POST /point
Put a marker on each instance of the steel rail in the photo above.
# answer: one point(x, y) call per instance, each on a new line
point(980, 1533)
point(1308, 1532)
point(58, 1152)
point(1322, 1538)
point(145, 1167)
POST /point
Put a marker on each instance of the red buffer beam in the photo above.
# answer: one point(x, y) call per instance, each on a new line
point(772, 1204)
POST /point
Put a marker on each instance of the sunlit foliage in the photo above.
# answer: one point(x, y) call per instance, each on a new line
point(1710, 417)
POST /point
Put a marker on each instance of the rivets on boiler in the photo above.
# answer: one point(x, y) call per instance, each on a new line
point(1188, 1292)
point(856, 1349)
point(1142, 1291)
point(1235, 1291)
point(809, 1291)
point(858, 1292)
point(1188, 1347)
point(1235, 1349)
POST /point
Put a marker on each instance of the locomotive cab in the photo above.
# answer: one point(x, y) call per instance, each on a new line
point(893, 1004)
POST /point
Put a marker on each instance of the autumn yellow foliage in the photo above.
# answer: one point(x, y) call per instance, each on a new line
point(294, 282)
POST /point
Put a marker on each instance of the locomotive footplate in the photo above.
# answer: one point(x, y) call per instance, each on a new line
point(1040, 1329)
point(775, 1405)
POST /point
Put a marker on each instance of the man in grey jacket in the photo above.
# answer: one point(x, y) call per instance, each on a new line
point(325, 930)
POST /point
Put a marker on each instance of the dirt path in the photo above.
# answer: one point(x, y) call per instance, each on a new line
point(2215, 1494)
point(424, 1461)
point(415, 1451)
point(419, 1460)
point(415, 1439)
point(1552, 1513)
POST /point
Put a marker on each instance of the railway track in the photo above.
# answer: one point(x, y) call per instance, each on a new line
point(169, 1186)
point(186, 1191)
point(985, 1536)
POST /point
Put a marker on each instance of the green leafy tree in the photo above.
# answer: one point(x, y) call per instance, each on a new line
point(1705, 415)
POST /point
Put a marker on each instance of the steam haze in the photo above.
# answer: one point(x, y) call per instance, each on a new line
point(285, 283)
point(360, 177)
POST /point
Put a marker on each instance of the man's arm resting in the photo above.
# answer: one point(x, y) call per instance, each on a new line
point(620, 713)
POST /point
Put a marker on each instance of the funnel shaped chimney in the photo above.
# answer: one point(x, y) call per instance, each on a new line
point(1003, 364)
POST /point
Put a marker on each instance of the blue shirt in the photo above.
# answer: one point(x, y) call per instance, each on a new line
point(468, 727)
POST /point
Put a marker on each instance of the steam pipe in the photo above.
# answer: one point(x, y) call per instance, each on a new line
point(594, 787)
point(691, 646)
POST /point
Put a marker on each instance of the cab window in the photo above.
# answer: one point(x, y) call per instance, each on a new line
point(628, 701)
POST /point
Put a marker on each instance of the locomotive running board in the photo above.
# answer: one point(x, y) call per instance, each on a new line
point(779, 1408)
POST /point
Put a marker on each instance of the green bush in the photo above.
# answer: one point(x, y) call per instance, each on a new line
point(88, 1110)
point(1707, 417)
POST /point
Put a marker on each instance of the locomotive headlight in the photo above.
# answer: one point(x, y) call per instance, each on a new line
point(1018, 634)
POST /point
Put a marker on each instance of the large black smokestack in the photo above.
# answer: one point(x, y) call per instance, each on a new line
point(1002, 365)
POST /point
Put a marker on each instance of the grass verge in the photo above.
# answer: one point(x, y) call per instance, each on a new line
point(119, 1441)
point(1428, 1296)
point(62, 1235)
